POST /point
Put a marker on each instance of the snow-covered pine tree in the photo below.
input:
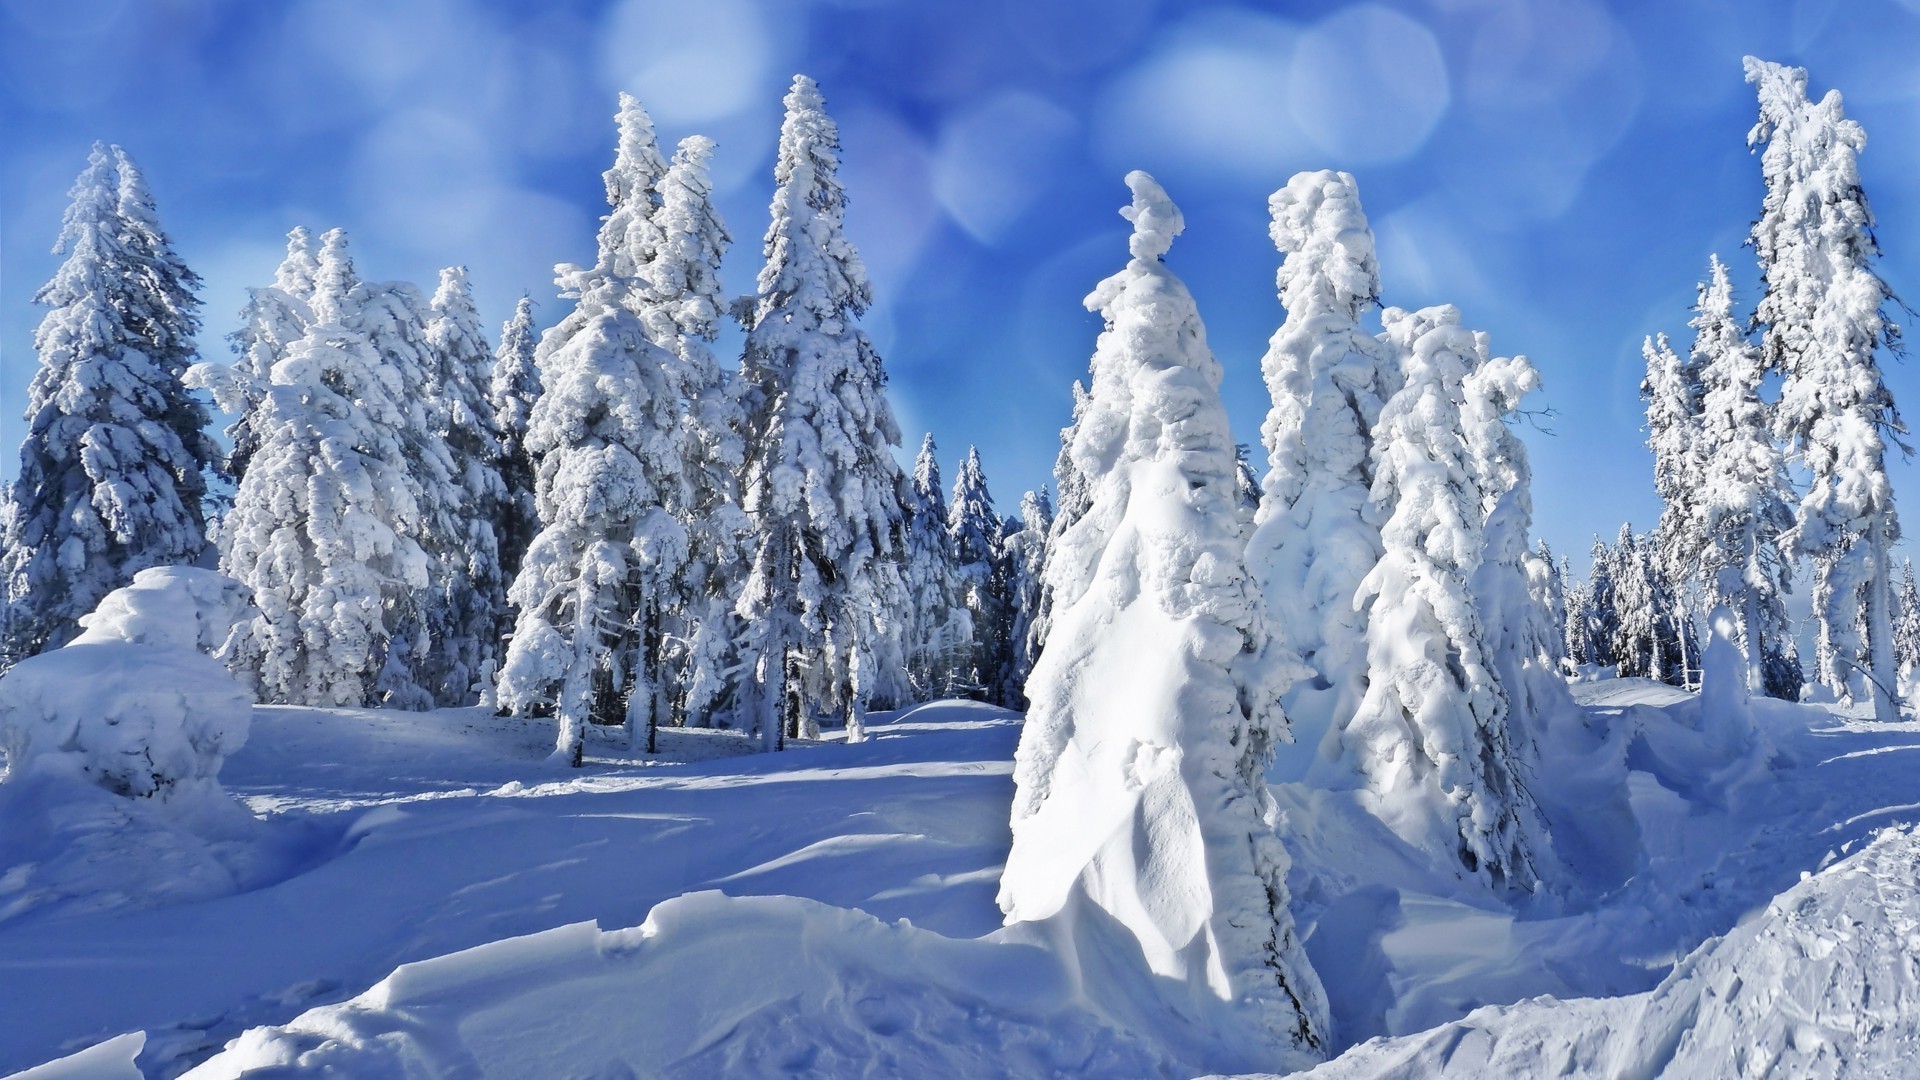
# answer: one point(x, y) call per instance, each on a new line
point(1140, 796)
point(1513, 589)
point(113, 468)
point(1548, 580)
point(1025, 553)
point(1314, 541)
point(975, 530)
point(607, 437)
point(514, 387)
point(821, 485)
point(682, 305)
point(1906, 627)
point(1745, 499)
point(326, 523)
point(466, 603)
point(1823, 314)
point(1603, 604)
point(1581, 648)
point(1430, 738)
point(274, 317)
point(1637, 637)
point(1071, 505)
point(1247, 479)
point(941, 630)
point(1673, 392)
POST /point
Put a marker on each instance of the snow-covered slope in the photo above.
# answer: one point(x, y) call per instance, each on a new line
point(1824, 983)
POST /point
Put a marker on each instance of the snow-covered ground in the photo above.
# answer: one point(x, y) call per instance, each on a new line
point(386, 839)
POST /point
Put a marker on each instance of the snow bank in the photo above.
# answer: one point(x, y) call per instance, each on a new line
point(1825, 983)
point(132, 705)
point(710, 985)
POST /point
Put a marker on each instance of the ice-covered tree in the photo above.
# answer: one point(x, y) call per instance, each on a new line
point(274, 317)
point(1824, 319)
point(1430, 738)
point(1745, 501)
point(1673, 393)
point(1140, 804)
point(1025, 554)
point(1906, 628)
point(466, 603)
point(326, 524)
point(820, 485)
point(114, 462)
point(1315, 540)
point(593, 590)
point(975, 530)
point(940, 628)
point(1072, 489)
point(1601, 606)
point(513, 388)
point(1548, 579)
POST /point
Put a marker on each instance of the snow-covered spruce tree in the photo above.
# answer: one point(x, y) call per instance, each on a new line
point(1247, 482)
point(1314, 541)
point(682, 305)
point(274, 317)
point(466, 601)
point(1745, 501)
point(1579, 627)
point(1673, 393)
point(1823, 314)
point(1637, 637)
point(1430, 738)
point(940, 634)
point(607, 439)
point(821, 485)
point(326, 523)
point(1025, 555)
point(1514, 590)
point(975, 530)
point(1140, 807)
point(1072, 504)
point(1602, 605)
point(1906, 627)
point(512, 390)
point(1548, 580)
point(113, 466)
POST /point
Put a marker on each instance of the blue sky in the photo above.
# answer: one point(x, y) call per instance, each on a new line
point(1560, 170)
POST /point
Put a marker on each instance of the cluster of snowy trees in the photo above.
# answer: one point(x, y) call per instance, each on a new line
point(601, 523)
point(1752, 479)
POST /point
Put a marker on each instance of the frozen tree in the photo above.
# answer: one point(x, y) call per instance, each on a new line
point(1548, 580)
point(1025, 553)
point(1824, 319)
point(326, 524)
point(682, 305)
point(1673, 392)
point(1430, 738)
point(975, 530)
point(114, 461)
point(820, 485)
point(1906, 628)
point(607, 436)
point(466, 604)
point(1072, 504)
point(940, 628)
point(512, 390)
point(274, 318)
point(1745, 501)
point(1140, 807)
point(1601, 606)
point(1247, 482)
point(1315, 540)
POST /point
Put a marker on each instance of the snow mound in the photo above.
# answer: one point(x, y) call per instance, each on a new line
point(709, 985)
point(1824, 983)
point(178, 607)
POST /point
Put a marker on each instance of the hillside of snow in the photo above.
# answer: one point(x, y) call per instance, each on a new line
point(387, 840)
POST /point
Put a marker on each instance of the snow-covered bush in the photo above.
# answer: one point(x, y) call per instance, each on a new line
point(135, 704)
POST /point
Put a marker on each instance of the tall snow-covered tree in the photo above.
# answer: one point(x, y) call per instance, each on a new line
point(274, 317)
point(1025, 554)
point(1072, 488)
point(1140, 799)
point(1431, 736)
point(975, 530)
point(940, 629)
point(1745, 500)
point(326, 524)
point(1824, 319)
point(1906, 628)
point(1315, 540)
point(592, 592)
point(821, 485)
point(512, 390)
point(114, 463)
point(1549, 582)
point(1673, 392)
point(466, 603)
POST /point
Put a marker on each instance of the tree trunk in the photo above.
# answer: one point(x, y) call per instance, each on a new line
point(1883, 673)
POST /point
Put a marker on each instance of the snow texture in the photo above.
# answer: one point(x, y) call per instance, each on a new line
point(1141, 842)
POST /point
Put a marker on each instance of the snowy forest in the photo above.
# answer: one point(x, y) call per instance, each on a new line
point(402, 695)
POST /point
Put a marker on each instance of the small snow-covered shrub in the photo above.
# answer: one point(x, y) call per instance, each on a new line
point(134, 704)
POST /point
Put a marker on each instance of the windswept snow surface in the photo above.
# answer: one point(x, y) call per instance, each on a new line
point(423, 835)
